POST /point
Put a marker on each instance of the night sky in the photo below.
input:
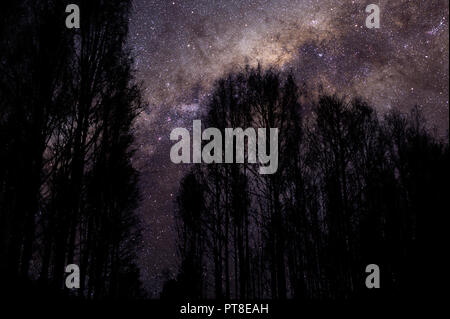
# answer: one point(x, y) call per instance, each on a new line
point(181, 47)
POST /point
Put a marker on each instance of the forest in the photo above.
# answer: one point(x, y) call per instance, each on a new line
point(68, 192)
point(353, 188)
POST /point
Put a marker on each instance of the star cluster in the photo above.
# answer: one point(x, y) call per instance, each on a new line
point(182, 46)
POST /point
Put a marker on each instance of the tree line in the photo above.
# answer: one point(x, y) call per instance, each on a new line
point(68, 191)
point(353, 188)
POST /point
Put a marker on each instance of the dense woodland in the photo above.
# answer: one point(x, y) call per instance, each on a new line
point(353, 188)
point(67, 189)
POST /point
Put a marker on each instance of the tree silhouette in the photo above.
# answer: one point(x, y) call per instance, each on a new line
point(68, 190)
point(352, 188)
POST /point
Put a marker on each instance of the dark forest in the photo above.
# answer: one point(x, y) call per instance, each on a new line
point(67, 188)
point(354, 186)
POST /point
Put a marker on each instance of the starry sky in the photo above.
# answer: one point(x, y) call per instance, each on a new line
point(182, 46)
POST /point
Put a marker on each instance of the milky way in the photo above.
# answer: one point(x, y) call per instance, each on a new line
point(182, 47)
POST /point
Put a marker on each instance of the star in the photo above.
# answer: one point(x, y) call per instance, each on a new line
point(182, 48)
